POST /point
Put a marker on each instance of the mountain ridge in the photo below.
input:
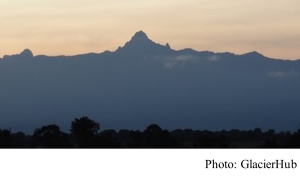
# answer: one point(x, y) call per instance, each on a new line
point(144, 82)
point(141, 43)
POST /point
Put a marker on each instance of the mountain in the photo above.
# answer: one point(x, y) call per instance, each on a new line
point(144, 82)
point(141, 45)
point(24, 55)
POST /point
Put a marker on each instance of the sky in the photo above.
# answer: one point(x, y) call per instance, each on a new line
point(69, 27)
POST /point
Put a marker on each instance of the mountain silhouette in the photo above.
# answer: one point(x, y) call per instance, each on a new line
point(24, 55)
point(141, 45)
point(144, 82)
point(140, 38)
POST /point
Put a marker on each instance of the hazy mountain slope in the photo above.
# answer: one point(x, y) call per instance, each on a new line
point(144, 82)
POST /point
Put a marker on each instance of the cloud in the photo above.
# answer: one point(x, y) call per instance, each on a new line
point(277, 74)
point(171, 61)
point(213, 58)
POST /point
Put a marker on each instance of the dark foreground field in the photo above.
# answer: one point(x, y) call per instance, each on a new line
point(84, 133)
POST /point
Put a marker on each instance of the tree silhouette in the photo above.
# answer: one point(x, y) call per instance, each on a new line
point(155, 137)
point(21, 140)
point(49, 137)
point(83, 129)
point(5, 138)
point(85, 134)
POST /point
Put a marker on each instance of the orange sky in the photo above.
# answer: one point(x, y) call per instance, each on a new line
point(55, 27)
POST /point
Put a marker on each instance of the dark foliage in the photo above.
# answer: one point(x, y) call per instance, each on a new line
point(50, 137)
point(84, 133)
point(6, 139)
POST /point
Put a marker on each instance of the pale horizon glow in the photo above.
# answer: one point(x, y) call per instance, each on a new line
point(53, 27)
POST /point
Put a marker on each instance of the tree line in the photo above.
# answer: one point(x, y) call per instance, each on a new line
point(85, 133)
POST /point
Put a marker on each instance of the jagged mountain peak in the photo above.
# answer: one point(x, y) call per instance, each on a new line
point(141, 45)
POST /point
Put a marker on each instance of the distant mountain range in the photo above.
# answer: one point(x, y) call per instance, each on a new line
point(144, 82)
